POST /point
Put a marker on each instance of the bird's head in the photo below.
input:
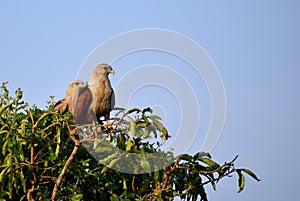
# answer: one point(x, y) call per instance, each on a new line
point(104, 69)
point(75, 85)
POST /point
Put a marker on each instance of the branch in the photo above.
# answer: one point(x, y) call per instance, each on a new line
point(166, 181)
point(220, 177)
point(63, 172)
point(168, 174)
point(212, 171)
point(78, 143)
point(69, 161)
point(229, 164)
point(31, 190)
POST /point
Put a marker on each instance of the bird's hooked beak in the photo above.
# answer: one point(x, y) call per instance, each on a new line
point(112, 71)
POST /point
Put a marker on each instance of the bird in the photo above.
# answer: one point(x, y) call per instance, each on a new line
point(97, 99)
point(67, 103)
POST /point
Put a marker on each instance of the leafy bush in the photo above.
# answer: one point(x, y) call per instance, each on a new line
point(43, 158)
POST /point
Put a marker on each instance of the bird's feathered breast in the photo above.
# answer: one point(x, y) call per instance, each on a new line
point(102, 95)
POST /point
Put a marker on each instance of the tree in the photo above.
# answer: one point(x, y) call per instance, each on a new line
point(43, 158)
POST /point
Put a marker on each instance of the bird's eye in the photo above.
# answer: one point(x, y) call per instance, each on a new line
point(105, 68)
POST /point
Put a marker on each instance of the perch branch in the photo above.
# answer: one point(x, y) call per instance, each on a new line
point(69, 161)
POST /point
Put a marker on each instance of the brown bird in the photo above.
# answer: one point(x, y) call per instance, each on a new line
point(66, 104)
point(97, 99)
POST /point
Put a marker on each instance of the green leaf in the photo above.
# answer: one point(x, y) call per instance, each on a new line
point(23, 181)
point(241, 180)
point(128, 194)
point(113, 162)
point(4, 147)
point(109, 158)
point(19, 93)
point(10, 183)
point(165, 135)
point(201, 154)
point(20, 151)
point(42, 117)
point(114, 197)
point(210, 163)
point(3, 173)
point(29, 169)
point(129, 145)
point(132, 127)
point(111, 185)
point(146, 132)
point(124, 184)
point(103, 149)
point(3, 132)
point(58, 130)
point(148, 109)
point(5, 107)
point(250, 173)
point(137, 110)
point(146, 166)
point(213, 185)
point(121, 138)
point(151, 129)
point(77, 197)
point(85, 163)
point(185, 157)
point(155, 117)
point(211, 178)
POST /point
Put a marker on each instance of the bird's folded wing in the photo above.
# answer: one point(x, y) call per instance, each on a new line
point(61, 106)
point(82, 113)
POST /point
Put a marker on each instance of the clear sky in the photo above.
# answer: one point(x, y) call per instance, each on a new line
point(254, 44)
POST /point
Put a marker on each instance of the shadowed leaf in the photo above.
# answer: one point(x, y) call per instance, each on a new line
point(241, 181)
point(249, 172)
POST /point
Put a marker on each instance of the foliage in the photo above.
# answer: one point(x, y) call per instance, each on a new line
point(37, 161)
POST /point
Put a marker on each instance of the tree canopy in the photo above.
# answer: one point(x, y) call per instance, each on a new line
point(44, 156)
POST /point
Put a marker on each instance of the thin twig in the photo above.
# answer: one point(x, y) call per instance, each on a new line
point(175, 166)
point(51, 125)
point(166, 180)
point(220, 177)
point(212, 171)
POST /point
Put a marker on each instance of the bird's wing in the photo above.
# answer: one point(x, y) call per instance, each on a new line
point(61, 106)
point(81, 110)
point(112, 99)
point(76, 89)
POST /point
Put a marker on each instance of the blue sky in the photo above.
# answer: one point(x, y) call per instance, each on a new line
point(254, 44)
